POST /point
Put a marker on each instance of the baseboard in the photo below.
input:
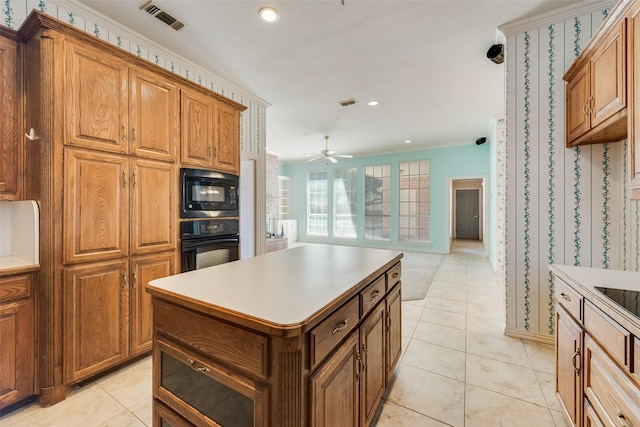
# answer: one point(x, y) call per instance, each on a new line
point(526, 335)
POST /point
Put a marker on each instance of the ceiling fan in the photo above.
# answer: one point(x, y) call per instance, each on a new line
point(327, 154)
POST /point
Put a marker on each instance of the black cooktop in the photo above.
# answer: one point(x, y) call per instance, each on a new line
point(629, 300)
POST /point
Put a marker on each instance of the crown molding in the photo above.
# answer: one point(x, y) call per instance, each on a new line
point(555, 16)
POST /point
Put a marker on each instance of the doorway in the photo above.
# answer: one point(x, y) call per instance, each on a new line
point(467, 209)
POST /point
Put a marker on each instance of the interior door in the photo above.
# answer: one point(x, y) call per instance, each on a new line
point(468, 214)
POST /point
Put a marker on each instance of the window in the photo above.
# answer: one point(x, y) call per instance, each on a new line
point(377, 202)
point(317, 203)
point(344, 203)
point(414, 201)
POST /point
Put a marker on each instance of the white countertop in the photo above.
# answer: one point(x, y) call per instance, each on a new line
point(592, 277)
point(283, 288)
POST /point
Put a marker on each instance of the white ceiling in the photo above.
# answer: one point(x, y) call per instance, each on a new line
point(425, 61)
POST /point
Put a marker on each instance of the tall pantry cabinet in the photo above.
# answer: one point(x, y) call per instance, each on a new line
point(104, 171)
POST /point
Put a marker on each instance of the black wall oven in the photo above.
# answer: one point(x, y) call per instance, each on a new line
point(207, 194)
point(209, 242)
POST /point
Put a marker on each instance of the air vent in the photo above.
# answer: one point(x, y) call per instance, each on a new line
point(163, 16)
point(347, 102)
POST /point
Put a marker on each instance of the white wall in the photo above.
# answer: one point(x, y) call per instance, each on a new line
point(564, 206)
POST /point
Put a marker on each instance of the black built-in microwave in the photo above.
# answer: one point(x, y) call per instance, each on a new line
point(208, 194)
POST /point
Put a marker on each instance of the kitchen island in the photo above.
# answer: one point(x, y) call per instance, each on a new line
point(308, 336)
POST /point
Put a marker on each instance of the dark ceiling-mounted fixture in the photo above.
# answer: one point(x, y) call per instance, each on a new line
point(481, 141)
point(496, 54)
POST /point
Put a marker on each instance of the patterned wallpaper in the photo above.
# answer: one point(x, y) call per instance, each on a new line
point(252, 120)
point(563, 206)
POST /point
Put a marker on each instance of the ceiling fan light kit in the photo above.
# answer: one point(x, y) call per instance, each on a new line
point(327, 154)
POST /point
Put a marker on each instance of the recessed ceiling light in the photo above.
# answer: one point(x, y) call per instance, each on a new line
point(269, 14)
point(373, 103)
point(407, 141)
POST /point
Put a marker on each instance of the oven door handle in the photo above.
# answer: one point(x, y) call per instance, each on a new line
point(195, 243)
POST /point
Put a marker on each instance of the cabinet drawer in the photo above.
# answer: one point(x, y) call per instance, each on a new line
point(219, 340)
point(394, 275)
point(611, 336)
point(570, 299)
point(371, 295)
point(332, 330)
point(15, 287)
point(613, 396)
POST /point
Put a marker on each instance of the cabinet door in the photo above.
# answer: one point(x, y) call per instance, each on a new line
point(17, 352)
point(96, 324)
point(394, 331)
point(634, 101)
point(153, 206)
point(196, 130)
point(569, 336)
point(578, 92)
point(96, 206)
point(155, 116)
point(608, 76)
point(226, 155)
point(334, 388)
point(143, 270)
point(372, 352)
point(96, 101)
point(10, 146)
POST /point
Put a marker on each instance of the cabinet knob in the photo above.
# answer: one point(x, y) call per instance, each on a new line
point(340, 327)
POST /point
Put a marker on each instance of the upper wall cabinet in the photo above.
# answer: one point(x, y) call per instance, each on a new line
point(10, 142)
point(210, 133)
point(634, 104)
point(119, 108)
point(596, 91)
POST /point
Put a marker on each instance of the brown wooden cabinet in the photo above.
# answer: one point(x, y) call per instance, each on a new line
point(330, 370)
point(372, 352)
point(11, 148)
point(108, 317)
point(144, 269)
point(17, 335)
point(119, 108)
point(569, 365)
point(634, 104)
point(596, 91)
point(210, 137)
point(335, 387)
point(226, 153)
point(596, 382)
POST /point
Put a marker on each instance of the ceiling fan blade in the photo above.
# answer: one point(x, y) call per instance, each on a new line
point(312, 154)
point(330, 152)
point(315, 158)
point(346, 156)
point(332, 160)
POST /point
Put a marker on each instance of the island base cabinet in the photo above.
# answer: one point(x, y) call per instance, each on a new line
point(186, 382)
point(335, 387)
point(372, 378)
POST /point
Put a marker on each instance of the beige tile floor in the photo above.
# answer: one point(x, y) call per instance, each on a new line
point(457, 367)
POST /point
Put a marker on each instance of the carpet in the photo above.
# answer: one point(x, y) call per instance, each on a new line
point(418, 271)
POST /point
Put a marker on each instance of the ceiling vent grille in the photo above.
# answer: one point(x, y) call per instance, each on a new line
point(347, 102)
point(163, 16)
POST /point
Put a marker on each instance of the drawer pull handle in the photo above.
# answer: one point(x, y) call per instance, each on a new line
point(374, 295)
point(199, 369)
point(340, 327)
point(574, 360)
point(395, 275)
point(565, 297)
point(621, 418)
